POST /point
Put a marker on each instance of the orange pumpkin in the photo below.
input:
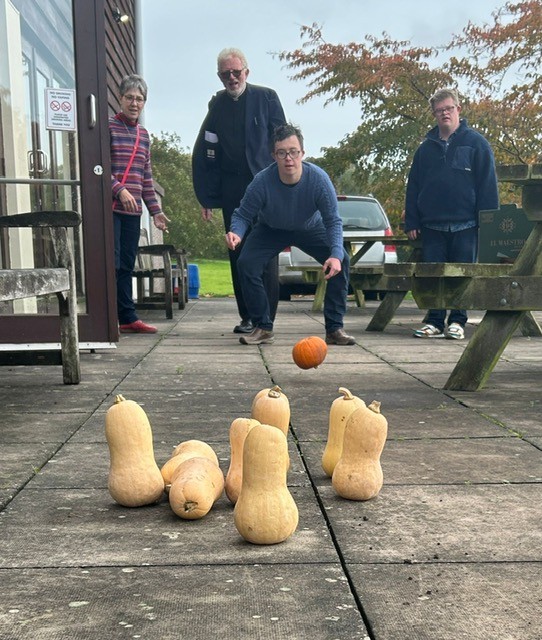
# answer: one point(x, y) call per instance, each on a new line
point(309, 352)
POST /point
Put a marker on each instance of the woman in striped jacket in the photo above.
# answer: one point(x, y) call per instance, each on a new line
point(131, 184)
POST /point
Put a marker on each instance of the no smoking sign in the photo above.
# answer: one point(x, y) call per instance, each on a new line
point(60, 109)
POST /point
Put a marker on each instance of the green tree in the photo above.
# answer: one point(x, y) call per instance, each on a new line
point(172, 169)
point(393, 81)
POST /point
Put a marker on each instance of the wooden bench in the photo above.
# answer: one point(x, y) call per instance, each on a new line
point(59, 279)
point(163, 263)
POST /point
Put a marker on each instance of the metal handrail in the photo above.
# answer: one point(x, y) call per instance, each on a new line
point(49, 181)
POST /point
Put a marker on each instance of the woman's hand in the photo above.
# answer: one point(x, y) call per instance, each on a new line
point(160, 221)
point(128, 201)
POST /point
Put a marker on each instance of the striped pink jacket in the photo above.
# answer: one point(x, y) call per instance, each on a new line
point(139, 183)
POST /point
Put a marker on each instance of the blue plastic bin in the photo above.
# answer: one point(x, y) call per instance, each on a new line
point(193, 281)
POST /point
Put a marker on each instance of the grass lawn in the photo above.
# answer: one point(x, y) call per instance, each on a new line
point(215, 278)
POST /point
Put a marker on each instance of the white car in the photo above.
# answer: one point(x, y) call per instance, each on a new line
point(358, 213)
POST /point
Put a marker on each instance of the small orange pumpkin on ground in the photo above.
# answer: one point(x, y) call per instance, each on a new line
point(309, 352)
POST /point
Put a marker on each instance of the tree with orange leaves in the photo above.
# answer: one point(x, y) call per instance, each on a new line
point(497, 68)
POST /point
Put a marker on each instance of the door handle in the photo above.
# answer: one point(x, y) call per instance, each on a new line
point(43, 161)
point(92, 111)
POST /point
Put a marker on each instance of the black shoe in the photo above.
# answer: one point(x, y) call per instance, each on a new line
point(258, 336)
point(244, 327)
point(340, 337)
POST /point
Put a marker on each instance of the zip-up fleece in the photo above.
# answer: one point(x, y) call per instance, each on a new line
point(451, 182)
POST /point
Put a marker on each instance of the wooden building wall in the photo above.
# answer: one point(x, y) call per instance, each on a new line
point(120, 44)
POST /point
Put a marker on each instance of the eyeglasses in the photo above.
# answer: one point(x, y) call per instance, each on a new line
point(293, 153)
point(441, 112)
point(137, 99)
point(225, 75)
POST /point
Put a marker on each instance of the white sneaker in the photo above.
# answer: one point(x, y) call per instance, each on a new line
point(428, 331)
point(455, 332)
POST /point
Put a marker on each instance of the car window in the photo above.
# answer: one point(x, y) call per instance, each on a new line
point(362, 214)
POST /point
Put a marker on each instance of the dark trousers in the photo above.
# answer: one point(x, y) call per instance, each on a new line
point(126, 228)
point(265, 243)
point(449, 246)
point(233, 190)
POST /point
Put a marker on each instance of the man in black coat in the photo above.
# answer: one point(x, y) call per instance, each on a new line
point(233, 144)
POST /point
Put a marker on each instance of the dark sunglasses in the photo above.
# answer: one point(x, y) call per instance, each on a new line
point(225, 75)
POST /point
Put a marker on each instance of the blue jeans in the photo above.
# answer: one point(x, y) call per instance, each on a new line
point(448, 246)
point(233, 189)
point(264, 243)
point(127, 228)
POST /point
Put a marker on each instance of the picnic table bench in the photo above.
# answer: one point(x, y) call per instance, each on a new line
point(59, 279)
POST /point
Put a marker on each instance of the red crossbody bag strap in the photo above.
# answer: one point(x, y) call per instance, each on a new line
point(131, 161)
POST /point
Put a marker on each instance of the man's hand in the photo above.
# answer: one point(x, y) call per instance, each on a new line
point(331, 267)
point(128, 201)
point(232, 240)
point(160, 221)
point(206, 214)
point(413, 234)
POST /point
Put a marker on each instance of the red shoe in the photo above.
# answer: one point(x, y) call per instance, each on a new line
point(137, 327)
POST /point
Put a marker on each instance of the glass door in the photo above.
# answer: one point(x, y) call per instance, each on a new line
point(49, 120)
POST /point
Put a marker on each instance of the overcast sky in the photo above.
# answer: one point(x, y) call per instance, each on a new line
point(181, 40)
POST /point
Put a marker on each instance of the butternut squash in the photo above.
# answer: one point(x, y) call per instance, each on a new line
point(341, 409)
point(134, 477)
point(196, 485)
point(183, 451)
point(271, 406)
point(265, 512)
point(358, 473)
point(238, 432)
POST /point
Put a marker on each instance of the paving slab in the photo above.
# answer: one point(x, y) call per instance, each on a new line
point(451, 601)
point(75, 528)
point(25, 428)
point(86, 465)
point(20, 467)
point(168, 427)
point(448, 523)
point(448, 461)
point(284, 602)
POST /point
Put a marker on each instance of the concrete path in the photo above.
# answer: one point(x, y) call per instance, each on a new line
point(451, 548)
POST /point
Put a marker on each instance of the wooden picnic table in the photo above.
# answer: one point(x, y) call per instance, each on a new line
point(369, 272)
point(507, 298)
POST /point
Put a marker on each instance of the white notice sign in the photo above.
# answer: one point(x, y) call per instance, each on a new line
point(60, 109)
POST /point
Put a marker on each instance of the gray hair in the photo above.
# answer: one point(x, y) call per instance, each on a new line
point(131, 83)
point(444, 94)
point(287, 130)
point(231, 52)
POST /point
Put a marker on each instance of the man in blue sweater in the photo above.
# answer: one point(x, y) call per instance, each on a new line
point(451, 180)
point(289, 203)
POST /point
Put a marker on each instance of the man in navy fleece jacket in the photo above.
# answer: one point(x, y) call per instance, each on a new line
point(451, 180)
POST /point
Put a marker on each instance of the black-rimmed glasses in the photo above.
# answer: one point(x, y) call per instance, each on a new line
point(225, 75)
point(282, 153)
